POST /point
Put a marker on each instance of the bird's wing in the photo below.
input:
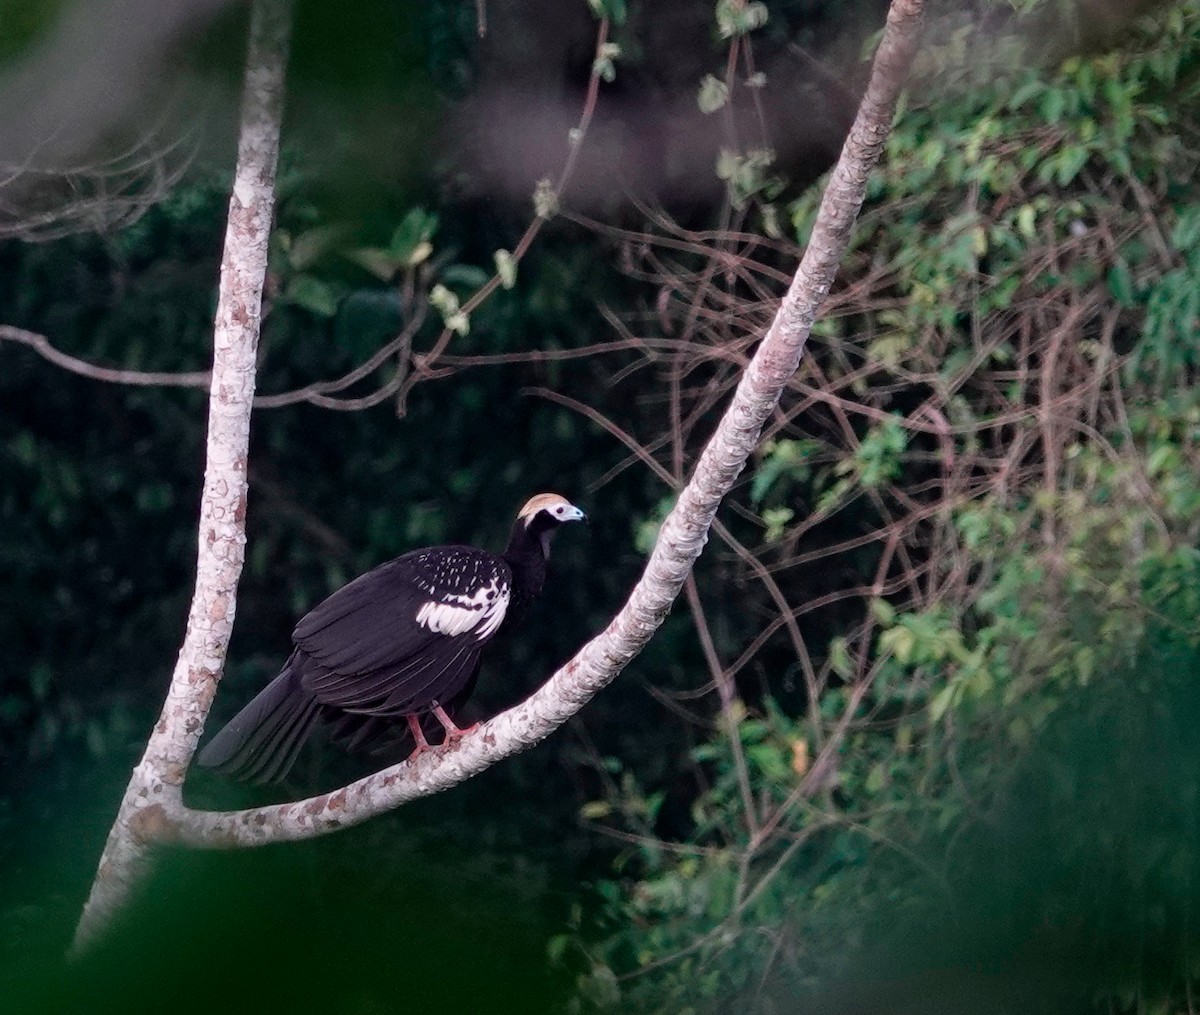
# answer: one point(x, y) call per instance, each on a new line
point(406, 634)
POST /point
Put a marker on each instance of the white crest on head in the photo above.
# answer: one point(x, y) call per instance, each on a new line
point(482, 611)
point(542, 502)
point(553, 504)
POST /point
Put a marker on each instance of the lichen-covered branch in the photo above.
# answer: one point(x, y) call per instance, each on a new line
point(680, 540)
point(158, 778)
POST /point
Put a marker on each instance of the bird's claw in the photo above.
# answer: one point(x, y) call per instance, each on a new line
point(418, 735)
point(453, 731)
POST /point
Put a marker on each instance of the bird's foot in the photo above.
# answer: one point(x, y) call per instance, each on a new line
point(418, 735)
point(453, 732)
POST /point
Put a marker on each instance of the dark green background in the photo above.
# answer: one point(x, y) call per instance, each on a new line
point(1071, 888)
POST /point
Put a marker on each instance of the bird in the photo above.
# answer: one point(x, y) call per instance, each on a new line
point(403, 641)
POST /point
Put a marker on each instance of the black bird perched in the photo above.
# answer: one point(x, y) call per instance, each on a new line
point(404, 639)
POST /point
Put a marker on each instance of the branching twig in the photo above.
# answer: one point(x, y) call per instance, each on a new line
point(416, 367)
point(41, 345)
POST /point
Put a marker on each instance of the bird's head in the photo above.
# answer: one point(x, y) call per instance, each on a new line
point(549, 509)
point(542, 515)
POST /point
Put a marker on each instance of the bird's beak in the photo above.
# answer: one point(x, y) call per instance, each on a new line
point(575, 515)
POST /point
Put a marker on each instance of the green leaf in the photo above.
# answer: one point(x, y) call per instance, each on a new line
point(1026, 221)
point(771, 761)
point(1186, 234)
point(419, 253)
point(884, 612)
point(1070, 162)
point(839, 658)
point(1026, 92)
point(646, 532)
point(378, 262)
point(1161, 459)
point(309, 245)
point(557, 947)
point(410, 242)
point(311, 294)
point(784, 459)
point(1052, 105)
point(593, 810)
point(941, 702)
point(900, 642)
point(1120, 283)
point(776, 520)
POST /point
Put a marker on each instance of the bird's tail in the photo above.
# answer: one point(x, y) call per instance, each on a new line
point(261, 742)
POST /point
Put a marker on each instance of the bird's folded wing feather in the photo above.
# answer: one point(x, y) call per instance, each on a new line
point(406, 634)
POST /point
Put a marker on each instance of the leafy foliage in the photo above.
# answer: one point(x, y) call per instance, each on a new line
point(980, 758)
point(949, 738)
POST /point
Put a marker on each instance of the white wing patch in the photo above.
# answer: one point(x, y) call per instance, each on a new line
point(481, 612)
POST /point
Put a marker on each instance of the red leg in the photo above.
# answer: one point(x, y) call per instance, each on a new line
point(453, 732)
point(414, 727)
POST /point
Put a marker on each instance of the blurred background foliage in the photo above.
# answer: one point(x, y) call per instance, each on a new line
point(924, 737)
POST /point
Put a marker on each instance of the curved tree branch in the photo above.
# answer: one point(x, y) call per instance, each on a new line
point(158, 778)
point(680, 541)
point(139, 378)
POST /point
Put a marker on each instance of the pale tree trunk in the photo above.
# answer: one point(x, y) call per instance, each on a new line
point(154, 811)
point(158, 777)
